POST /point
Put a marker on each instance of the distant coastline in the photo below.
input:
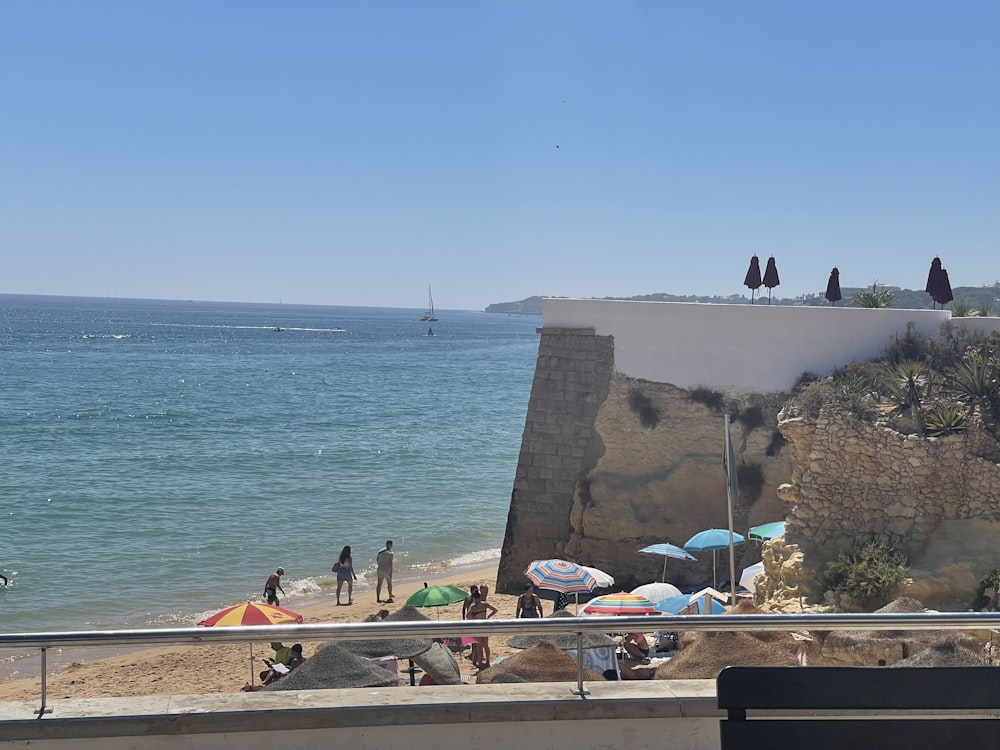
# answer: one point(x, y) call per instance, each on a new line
point(905, 299)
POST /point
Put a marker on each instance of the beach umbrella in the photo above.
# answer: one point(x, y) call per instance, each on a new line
point(833, 294)
point(674, 604)
point(767, 531)
point(657, 592)
point(944, 295)
point(619, 604)
point(667, 550)
point(748, 576)
point(770, 277)
point(561, 575)
point(714, 540)
point(251, 613)
point(604, 580)
point(752, 279)
point(436, 596)
point(934, 279)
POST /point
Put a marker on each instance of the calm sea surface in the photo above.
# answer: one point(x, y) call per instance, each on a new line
point(160, 459)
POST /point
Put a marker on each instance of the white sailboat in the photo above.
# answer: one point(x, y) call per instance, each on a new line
point(429, 314)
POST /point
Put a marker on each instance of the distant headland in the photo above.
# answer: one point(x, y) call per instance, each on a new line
point(969, 297)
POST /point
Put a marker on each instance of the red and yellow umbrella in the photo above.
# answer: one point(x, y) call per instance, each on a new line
point(251, 613)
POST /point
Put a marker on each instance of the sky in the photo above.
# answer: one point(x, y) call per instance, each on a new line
point(353, 153)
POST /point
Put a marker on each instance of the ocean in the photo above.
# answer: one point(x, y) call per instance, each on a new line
point(162, 458)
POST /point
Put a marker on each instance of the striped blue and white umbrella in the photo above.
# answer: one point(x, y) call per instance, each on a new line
point(562, 576)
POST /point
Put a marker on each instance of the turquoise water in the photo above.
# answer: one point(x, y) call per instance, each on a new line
point(160, 459)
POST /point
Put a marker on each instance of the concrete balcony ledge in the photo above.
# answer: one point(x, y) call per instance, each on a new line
point(648, 712)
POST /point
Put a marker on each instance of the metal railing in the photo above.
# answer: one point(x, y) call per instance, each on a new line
point(451, 628)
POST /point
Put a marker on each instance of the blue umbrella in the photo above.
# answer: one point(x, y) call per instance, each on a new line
point(667, 550)
point(675, 604)
point(767, 531)
point(712, 539)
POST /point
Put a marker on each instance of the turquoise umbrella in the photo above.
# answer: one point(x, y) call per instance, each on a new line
point(667, 550)
point(712, 539)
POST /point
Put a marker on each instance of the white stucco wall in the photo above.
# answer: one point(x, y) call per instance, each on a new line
point(741, 348)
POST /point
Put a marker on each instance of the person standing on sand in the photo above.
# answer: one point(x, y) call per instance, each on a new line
point(344, 568)
point(528, 603)
point(383, 572)
point(273, 586)
point(481, 610)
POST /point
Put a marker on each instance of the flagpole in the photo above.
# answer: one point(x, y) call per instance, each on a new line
point(730, 471)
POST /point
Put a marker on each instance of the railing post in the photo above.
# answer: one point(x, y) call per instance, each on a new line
point(580, 690)
point(43, 709)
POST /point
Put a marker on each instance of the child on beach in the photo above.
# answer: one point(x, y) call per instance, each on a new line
point(480, 610)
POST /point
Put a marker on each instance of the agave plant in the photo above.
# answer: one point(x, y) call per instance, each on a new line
point(975, 381)
point(985, 310)
point(944, 420)
point(961, 308)
point(908, 384)
point(876, 297)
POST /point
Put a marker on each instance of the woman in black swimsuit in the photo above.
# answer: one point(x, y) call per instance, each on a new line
point(528, 603)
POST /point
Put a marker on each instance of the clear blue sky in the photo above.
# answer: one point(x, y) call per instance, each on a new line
point(353, 152)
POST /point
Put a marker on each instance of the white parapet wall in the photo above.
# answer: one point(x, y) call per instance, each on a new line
point(742, 348)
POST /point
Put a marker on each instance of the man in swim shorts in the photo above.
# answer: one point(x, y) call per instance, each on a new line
point(272, 586)
point(383, 564)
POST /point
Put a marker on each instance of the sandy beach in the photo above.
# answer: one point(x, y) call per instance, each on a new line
point(225, 668)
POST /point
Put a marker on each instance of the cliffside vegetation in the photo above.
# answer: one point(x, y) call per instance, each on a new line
point(927, 386)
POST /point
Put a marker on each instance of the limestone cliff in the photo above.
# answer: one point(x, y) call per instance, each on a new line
point(610, 464)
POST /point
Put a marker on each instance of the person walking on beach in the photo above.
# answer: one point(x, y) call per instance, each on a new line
point(273, 586)
point(383, 572)
point(528, 603)
point(344, 568)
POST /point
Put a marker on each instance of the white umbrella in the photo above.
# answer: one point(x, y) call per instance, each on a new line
point(604, 580)
point(748, 578)
point(657, 592)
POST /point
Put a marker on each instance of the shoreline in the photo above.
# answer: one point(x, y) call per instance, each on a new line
point(320, 591)
point(155, 670)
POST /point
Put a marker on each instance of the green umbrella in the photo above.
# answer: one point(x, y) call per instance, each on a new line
point(437, 596)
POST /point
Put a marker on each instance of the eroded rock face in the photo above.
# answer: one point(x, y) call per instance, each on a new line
point(652, 472)
point(936, 499)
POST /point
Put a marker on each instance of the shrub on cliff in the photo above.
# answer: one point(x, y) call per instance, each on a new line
point(866, 577)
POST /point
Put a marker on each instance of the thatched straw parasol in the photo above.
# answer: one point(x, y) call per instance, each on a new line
point(710, 653)
point(541, 663)
point(948, 652)
point(335, 667)
point(562, 641)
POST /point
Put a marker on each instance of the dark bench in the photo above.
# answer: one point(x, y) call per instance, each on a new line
point(904, 707)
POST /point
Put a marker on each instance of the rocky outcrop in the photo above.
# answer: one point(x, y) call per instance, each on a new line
point(610, 464)
point(935, 499)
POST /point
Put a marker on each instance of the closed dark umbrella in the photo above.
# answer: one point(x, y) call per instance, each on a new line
point(752, 279)
point(770, 277)
point(833, 287)
point(934, 278)
point(943, 295)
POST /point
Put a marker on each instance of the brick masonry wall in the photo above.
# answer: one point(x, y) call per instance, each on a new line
point(572, 377)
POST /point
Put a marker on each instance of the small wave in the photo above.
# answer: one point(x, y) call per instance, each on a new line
point(115, 336)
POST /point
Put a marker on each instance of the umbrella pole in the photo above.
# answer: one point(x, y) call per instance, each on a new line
point(663, 578)
point(580, 690)
point(715, 576)
point(251, 664)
